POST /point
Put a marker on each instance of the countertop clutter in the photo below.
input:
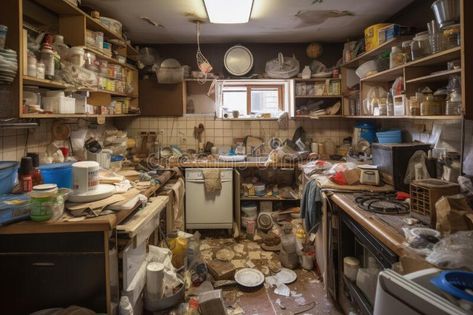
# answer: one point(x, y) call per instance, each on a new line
point(153, 161)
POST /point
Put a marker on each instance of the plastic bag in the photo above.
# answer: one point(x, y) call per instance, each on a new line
point(454, 251)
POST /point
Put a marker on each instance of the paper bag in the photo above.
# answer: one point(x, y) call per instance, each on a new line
point(453, 214)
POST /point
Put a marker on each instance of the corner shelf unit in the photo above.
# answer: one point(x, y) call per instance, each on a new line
point(70, 21)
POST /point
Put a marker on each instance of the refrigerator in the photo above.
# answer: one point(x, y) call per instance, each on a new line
point(412, 294)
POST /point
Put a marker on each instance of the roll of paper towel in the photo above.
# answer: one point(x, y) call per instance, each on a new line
point(154, 280)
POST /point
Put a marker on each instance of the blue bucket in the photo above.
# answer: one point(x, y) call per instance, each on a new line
point(8, 176)
point(57, 173)
point(393, 136)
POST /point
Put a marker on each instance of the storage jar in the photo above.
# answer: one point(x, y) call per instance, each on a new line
point(46, 203)
point(420, 46)
point(452, 36)
point(77, 56)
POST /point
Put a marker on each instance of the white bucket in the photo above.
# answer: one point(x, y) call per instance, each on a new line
point(85, 176)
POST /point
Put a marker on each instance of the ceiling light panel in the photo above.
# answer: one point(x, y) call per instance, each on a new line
point(228, 11)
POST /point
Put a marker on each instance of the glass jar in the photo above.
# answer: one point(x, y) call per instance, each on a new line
point(396, 58)
point(40, 70)
point(420, 46)
point(32, 65)
point(437, 42)
point(453, 106)
point(414, 109)
point(431, 106)
point(452, 36)
point(76, 56)
point(47, 203)
point(406, 50)
point(47, 57)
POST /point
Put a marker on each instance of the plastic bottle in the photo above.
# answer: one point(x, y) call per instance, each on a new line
point(47, 57)
point(288, 254)
point(26, 174)
point(397, 57)
point(300, 239)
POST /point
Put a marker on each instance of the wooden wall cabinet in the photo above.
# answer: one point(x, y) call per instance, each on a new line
point(161, 99)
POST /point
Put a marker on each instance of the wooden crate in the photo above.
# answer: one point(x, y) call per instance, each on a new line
point(424, 195)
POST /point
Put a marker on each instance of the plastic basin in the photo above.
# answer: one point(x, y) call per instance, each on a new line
point(57, 173)
point(8, 176)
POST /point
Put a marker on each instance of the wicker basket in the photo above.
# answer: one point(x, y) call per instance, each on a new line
point(424, 195)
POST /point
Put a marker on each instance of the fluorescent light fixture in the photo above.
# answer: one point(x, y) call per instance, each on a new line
point(228, 11)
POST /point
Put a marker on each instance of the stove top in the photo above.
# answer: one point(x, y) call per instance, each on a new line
point(383, 203)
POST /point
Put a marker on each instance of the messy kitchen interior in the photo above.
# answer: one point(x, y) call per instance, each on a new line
point(230, 157)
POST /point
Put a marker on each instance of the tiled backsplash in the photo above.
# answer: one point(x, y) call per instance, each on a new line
point(15, 142)
point(180, 130)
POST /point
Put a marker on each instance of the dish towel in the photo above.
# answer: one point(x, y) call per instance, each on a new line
point(311, 206)
point(178, 189)
point(212, 181)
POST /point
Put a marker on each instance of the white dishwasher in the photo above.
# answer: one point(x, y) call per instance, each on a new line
point(208, 210)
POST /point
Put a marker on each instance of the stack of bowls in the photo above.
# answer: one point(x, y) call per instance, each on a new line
point(8, 65)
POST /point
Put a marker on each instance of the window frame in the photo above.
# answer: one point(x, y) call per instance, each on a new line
point(283, 87)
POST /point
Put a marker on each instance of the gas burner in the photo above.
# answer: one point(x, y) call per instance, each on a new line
point(384, 203)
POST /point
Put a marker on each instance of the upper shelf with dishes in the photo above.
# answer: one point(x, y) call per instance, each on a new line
point(407, 76)
point(70, 63)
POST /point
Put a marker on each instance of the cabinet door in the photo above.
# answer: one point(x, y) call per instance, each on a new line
point(33, 281)
point(467, 57)
point(161, 99)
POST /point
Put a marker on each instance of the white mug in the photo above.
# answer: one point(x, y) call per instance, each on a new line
point(85, 176)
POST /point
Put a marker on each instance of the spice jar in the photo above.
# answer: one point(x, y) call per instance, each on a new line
point(47, 202)
point(396, 58)
point(420, 46)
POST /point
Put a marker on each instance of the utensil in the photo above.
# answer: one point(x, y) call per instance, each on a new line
point(446, 12)
point(238, 60)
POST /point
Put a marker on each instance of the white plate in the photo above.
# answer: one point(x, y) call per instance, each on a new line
point(286, 276)
point(238, 60)
point(101, 192)
point(249, 277)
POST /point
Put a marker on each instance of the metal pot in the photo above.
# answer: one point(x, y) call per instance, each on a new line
point(446, 12)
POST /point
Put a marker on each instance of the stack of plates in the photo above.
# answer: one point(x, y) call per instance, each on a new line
point(8, 65)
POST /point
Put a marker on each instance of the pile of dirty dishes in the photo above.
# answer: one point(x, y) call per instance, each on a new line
point(8, 65)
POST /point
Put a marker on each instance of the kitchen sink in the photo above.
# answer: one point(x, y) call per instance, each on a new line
point(257, 159)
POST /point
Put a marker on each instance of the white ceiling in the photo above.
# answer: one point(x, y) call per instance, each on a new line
point(271, 21)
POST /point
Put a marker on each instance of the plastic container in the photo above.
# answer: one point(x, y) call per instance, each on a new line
point(420, 46)
point(455, 283)
point(3, 35)
point(59, 104)
point(76, 55)
point(57, 173)
point(350, 267)
point(396, 58)
point(250, 210)
point(367, 68)
point(14, 208)
point(46, 203)
point(393, 136)
point(8, 176)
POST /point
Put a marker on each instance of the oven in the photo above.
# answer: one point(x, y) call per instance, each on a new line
point(348, 238)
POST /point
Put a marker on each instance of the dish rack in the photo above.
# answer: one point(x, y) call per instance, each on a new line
point(425, 193)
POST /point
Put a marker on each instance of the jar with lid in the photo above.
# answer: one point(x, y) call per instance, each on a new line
point(40, 70)
point(430, 106)
point(453, 106)
point(76, 56)
point(414, 109)
point(47, 202)
point(396, 58)
point(452, 36)
point(420, 46)
point(389, 105)
point(406, 50)
point(47, 57)
point(31, 65)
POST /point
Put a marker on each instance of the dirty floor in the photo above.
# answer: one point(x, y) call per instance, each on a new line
point(306, 290)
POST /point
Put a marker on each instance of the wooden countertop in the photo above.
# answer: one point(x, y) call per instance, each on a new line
point(374, 225)
point(101, 223)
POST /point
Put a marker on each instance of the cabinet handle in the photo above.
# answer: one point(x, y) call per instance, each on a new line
point(43, 264)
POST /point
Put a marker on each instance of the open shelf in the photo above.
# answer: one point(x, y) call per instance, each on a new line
point(38, 115)
point(437, 59)
point(435, 77)
point(386, 75)
point(101, 55)
point(27, 80)
point(317, 117)
point(315, 79)
point(355, 62)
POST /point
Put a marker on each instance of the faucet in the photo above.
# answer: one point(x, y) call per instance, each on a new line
point(254, 149)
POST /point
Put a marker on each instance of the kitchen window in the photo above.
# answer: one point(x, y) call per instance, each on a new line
point(251, 99)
